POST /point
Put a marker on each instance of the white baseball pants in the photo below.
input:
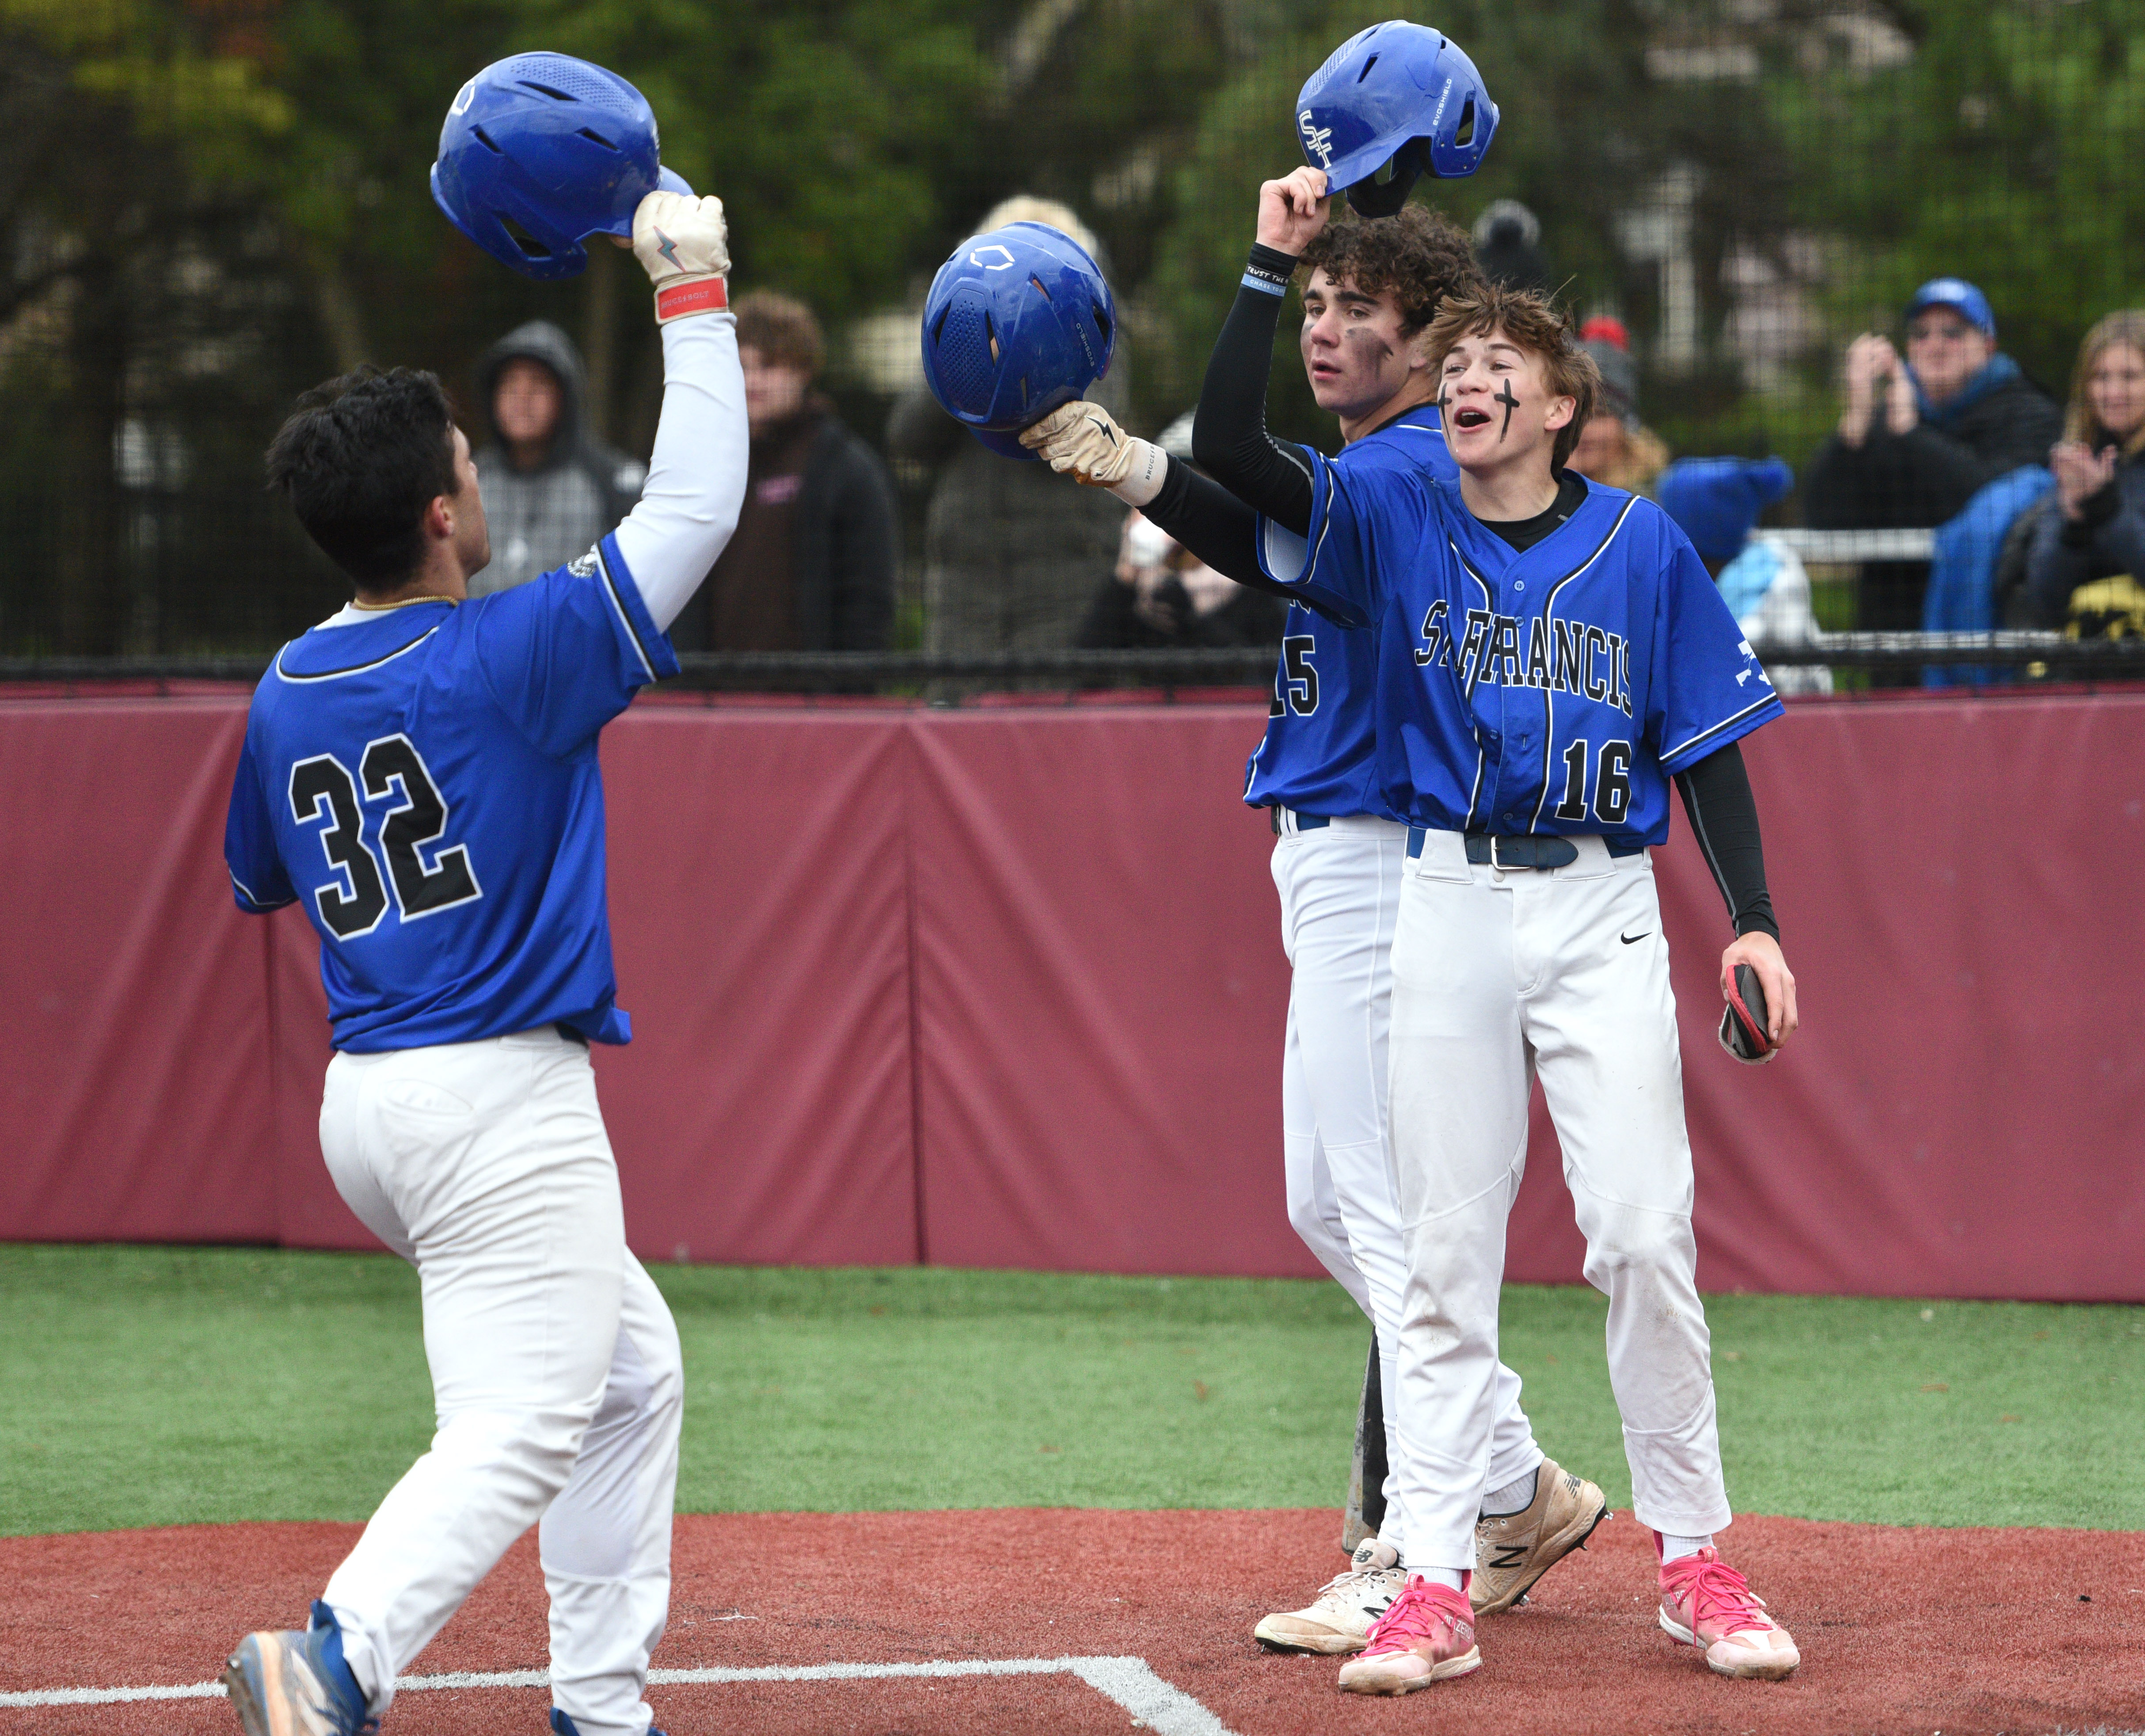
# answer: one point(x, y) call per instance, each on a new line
point(1499, 974)
point(1340, 888)
point(555, 1370)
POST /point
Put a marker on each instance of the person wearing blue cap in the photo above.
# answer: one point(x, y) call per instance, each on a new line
point(1715, 502)
point(1920, 434)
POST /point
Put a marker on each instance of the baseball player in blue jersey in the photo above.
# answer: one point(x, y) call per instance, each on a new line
point(420, 775)
point(1551, 655)
point(1370, 289)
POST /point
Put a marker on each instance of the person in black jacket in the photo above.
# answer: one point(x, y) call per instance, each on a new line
point(2086, 567)
point(1164, 597)
point(1918, 438)
point(819, 541)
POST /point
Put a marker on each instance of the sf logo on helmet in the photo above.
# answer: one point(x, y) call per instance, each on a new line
point(1005, 258)
point(1317, 140)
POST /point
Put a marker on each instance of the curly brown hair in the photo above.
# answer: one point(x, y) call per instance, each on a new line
point(1538, 326)
point(1419, 256)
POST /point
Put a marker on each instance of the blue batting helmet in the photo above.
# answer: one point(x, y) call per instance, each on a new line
point(1018, 322)
point(541, 150)
point(1390, 103)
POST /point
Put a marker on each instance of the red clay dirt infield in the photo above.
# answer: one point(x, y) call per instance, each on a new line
point(1900, 1629)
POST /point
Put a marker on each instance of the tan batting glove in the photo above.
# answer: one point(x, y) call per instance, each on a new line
point(1083, 440)
point(684, 246)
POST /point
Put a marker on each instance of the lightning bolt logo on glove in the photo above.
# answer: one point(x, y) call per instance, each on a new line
point(682, 243)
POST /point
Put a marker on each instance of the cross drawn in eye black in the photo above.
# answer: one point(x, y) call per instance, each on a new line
point(1510, 404)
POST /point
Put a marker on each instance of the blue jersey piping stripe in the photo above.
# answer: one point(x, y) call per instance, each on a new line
point(253, 897)
point(1727, 722)
point(1467, 695)
point(357, 668)
point(1549, 694)
point(1332, 487)
point(626, 618)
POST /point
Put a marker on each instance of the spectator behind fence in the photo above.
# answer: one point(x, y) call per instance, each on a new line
point(1164, 597)
point(2086, 570)
point(550, 489)
point(819, 540)
point(1507, 240)
point(1011, 554)
point(1918, 438)
point(1614, 448)
point(1716, 501)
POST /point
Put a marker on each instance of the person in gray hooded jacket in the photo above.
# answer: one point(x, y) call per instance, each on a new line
point(550, 489)
point(1011, 555)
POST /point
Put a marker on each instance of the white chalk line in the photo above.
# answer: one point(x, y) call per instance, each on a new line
point(1127, 1682)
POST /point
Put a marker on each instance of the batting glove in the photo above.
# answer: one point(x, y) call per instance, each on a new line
point(1083, 440)
point(684, 246)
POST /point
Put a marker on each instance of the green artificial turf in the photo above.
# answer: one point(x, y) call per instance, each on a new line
point(166, 1386)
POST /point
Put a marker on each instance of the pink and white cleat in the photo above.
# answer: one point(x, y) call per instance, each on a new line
point(1428, 1636)
point(1705, 1602)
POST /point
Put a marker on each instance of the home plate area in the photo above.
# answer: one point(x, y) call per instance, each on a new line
point(1085, 1621)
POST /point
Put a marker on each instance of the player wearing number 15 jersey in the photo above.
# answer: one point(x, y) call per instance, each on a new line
point(420, 775)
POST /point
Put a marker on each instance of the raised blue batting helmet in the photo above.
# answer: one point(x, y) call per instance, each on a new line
point(1390, 103)
point(1017, 322)
point(541, 150)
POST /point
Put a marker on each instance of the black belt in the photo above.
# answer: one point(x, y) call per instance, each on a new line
point(1527, 851)
point(1304, 821)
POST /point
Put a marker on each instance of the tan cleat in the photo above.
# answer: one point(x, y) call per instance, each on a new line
point(1348, 1606)
point(1428, 1636)
point(1705, 1602)
point(1512, 1550)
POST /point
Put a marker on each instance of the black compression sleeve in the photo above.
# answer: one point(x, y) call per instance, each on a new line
point(1229, 436)
point(1214, 525)
point(1724, 816)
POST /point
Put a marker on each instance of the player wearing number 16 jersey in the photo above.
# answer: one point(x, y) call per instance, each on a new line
point(420, 775)
point(1551, 655)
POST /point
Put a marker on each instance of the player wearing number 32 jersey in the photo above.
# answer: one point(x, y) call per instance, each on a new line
point(420, 775)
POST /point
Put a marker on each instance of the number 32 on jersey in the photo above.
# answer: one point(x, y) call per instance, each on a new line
point(324, 794)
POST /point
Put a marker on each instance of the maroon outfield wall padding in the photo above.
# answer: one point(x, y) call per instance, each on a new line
point(760, 912)
point(134, 1090)
point(1100, 995)
point(1022, 965)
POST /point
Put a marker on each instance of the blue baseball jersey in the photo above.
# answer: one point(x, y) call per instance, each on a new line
point(424, 781)
point(1319, 754)
point(1554, 691)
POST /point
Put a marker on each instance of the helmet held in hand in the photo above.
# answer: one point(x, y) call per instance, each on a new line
point(540, 152)
point(1393, 103)
point(1017, 322)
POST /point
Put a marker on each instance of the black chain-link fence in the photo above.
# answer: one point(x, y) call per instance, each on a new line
point(207, 208)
